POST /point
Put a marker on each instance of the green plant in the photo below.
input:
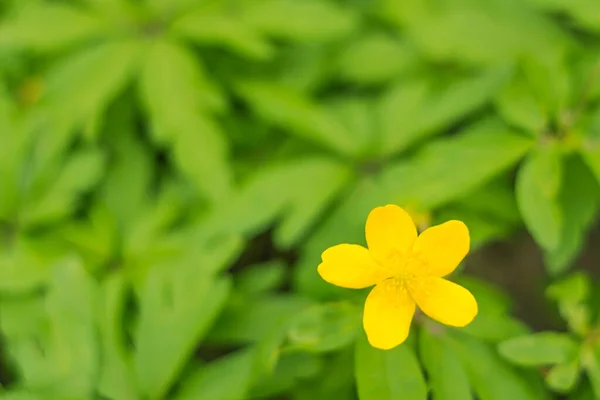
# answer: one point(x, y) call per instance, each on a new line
point(172, 170)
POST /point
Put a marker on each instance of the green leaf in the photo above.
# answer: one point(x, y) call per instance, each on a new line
point(572, 293)
point(189, 313)
point(28, 394)
point(317, 181)
point(377, 58)
point(339, 384)
point(562, 378)
point(227, 378)
point(585, 85)
point(130, 170)
point(583, 12)
point(170, 7)
point(22, 316)
point(493, 321)
point(319, 184)
point(543, 348)
point(215, 252)
point(95, 238)
point(174, 86)
point(116, 378)
point(292, 369)
point(64, 26)
point(325, 327)
point(403, 102)
point(429, 179)
point(183, 297)
point(71, 306)
point(495, 199)
point(60, 356)
point(302, 21)
point(24, 266)
point(414, 110)
point(19, 395)
point(210, 27)
point(76, 91)
point(491, 377)
point(149, 239)
point(574, 288)
point(578, 199)
point(590, 361)
point(537, 191)
point(469, 37)
point(388, 374)
point(578, 317)
point(81, 172)
point(115, 10)
point(178, 97)
point(495, 327)
point(583, 392)
point(247, 320)
point(291, 111)
point(304, 68)
point(518, 104)
point(201, 153)
point(357, 114)
point(84, 83)
point(550, 80)
point(260, 278)
point(446, 375)
point(13, 153)
point(270, 352)
point(590, 152)
point(259, 195)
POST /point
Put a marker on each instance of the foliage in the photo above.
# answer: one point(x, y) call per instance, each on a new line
point(171, 170)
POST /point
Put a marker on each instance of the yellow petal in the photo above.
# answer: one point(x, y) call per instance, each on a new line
point(350, 266)
point(439, 249)
point(389, 310)
point(391, 234)
point(444, 301)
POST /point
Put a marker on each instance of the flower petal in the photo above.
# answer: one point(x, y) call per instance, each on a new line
point(444, 301)
point(390, 233)
point(389, 310)
point(350, 266)
point(439, 249)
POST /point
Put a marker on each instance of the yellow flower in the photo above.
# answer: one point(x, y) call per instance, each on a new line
point(406, 270)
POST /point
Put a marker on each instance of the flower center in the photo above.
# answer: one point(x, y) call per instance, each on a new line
point(395, 285)
point(408, 266)
point(405, 275)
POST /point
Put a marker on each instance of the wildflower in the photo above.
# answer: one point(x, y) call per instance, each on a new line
point(406, 270)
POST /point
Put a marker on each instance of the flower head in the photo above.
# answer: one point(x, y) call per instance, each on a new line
point(407, 270)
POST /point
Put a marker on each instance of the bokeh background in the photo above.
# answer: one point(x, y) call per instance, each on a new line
point(171, 170)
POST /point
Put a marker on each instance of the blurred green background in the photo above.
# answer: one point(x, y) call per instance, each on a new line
point(171, 170)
